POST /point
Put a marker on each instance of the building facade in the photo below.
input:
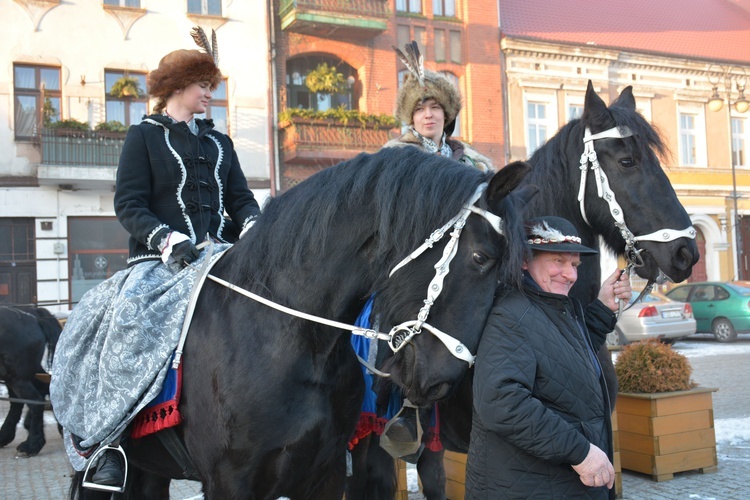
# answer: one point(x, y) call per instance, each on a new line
point(72, 78)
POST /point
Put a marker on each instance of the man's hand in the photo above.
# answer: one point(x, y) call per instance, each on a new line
point(596, 470)
point(616, 286)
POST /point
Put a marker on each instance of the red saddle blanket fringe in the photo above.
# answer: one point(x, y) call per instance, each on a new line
point(159, 416)
point(370, 423)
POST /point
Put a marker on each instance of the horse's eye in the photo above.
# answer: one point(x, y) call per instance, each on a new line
point(479, 258)
point(627, 163)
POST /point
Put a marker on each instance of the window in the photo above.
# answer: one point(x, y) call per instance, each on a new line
point(218, 108)
point(299, 96)
point(37, 98)
point(98, 249)
point(536, 123)
point(447, 47)
point(687, 139)
point(446, 8)
point(454, 80)
point(411, 6)
point(739, 142)
point(440, 45)
point(574, 111)
point(205, 7)
point(136, 4)
point(404, 35)
point(456, 47)
point(125, 104)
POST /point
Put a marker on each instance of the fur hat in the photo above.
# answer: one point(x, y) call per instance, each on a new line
point(421, 84)
point(555, 234)
point(180, 68)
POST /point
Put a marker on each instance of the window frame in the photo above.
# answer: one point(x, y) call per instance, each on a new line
point(406, 6)
point(550, 121)
point(740, 138)
point(40, 93)
point(439, 8)
point(698, 133)
point(127, 101)
point(219, 103)
point(204, 8)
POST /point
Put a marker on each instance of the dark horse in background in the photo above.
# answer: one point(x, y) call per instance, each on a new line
point(25, 332)
point(270, 401)
point(648, 203)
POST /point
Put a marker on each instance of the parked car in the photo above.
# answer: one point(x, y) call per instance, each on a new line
point(653, 317)
point(719, 308)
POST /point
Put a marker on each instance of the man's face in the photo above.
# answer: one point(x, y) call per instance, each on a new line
point(554, 272)
point(429, 120)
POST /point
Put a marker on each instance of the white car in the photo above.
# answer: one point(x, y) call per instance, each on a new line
point(654, 317)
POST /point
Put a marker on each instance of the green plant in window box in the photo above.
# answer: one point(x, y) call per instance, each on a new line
point(340, 115)
point(126, 86)
point(69, 124)
point(326, 80)
point(111, 126)
point(48, 112)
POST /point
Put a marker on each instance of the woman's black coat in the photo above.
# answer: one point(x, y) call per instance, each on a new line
point(170, 179)
point(539, 398)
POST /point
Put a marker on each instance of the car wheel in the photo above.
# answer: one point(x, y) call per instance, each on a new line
point(724, 331)
point(616, 338)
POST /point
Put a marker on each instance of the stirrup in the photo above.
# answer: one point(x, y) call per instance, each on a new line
point(88, 483)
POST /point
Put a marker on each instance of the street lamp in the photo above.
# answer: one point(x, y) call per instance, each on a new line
point(731, 77)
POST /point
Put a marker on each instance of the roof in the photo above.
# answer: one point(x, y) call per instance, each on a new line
point(713, 30)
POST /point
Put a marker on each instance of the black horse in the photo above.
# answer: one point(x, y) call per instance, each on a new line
point(269, 400)
point(25, 332)
point(647, 204)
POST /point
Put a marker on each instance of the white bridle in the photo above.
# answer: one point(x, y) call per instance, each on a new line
point(589, 157)
point(401, 334)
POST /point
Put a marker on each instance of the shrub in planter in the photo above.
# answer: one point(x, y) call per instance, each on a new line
point(665, 423)
point(70, 124)
point(652, 367)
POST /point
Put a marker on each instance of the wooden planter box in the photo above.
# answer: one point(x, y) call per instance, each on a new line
point(663, 433)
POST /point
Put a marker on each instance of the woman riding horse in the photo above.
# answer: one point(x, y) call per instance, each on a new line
point(176, 178)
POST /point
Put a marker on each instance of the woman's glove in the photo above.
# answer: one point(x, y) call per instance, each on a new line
point(176, 247)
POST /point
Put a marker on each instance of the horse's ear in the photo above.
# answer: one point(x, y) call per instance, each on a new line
point(626, 99)
point(592, 103)
point(507, 179)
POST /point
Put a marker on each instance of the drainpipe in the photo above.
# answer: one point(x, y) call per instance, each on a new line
point(273, 127)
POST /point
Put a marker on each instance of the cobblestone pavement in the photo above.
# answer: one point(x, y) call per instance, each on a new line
point(47, 475)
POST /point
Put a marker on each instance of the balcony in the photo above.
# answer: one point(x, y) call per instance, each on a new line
point(79, 159)
point(346, 19)
point(311, 145)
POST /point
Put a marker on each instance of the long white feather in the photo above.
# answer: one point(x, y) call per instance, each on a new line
point(547, 233)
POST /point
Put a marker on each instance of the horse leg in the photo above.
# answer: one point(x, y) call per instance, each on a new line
point(432, 474)
point(8, 430)
point(25, 389)
point(143, 484)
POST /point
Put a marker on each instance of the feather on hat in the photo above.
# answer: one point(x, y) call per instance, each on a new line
point(180, 68)
point(555, 234)
point(421, 84)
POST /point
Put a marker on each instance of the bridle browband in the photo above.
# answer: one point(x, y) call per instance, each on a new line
point(402, 334)
point(632, 254)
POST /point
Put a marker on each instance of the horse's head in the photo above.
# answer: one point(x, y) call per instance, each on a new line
point(629, 199)
point(456, 293)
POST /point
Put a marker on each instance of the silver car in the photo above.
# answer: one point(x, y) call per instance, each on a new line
point(655, 317)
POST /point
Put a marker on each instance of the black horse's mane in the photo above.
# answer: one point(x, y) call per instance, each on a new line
point(406, 192)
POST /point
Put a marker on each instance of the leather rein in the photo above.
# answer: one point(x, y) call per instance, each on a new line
point(604, 191)
point(401, 334)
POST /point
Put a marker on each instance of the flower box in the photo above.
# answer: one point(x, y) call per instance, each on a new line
point(667, 432)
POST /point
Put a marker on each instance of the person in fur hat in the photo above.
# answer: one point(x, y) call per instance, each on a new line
point(429, 104)
point(176, 179)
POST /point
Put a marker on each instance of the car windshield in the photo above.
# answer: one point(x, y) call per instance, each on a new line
point(742, 287)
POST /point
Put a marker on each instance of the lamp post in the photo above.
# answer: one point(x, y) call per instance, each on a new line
point(730, 77)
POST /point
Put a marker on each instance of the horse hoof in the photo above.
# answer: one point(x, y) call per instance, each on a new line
point(24, 450)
